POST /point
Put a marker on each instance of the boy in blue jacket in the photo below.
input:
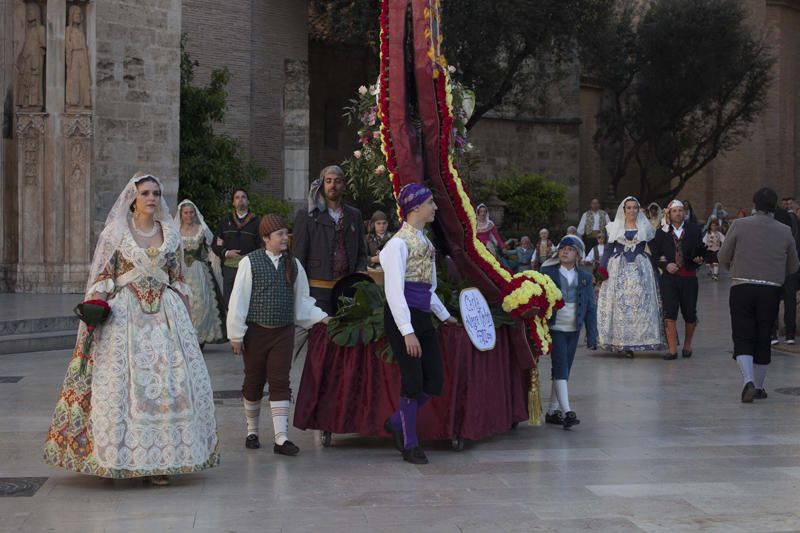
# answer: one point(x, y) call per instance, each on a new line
point(565, 326)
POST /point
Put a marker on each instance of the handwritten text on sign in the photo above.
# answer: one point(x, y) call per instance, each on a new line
point(477, 319)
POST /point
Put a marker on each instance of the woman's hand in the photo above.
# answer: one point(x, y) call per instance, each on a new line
point(413, 348)
point(451, 321)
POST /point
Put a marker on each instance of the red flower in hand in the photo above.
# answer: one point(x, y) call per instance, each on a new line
point(92, 313)
point(603, 272)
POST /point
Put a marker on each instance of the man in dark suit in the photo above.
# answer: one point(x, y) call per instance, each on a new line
point(237, 236)
point(679, 247)
point(328, 237)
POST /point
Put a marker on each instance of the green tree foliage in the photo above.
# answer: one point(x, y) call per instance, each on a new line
point(211, 164)
point(507, 51)
point(684, 79)
point(532, 200)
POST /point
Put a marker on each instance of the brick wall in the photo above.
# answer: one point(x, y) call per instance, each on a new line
point(255, 39)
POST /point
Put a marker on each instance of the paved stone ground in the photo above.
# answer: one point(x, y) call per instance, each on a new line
point(663, 446)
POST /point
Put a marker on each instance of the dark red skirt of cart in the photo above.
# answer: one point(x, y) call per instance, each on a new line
point(351, 390)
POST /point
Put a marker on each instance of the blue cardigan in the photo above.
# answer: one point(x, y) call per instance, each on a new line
point(586, 312)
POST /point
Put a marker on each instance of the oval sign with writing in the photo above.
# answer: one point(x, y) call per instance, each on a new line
point(477, 319)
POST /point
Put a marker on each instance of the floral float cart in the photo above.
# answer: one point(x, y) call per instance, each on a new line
point(349, 384)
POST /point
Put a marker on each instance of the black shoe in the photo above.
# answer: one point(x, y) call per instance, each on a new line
point(670, 357)
point(397, 436)
point(570, 419)
point(415, 455)
point(761, 394)
point(686, 354)
point(287, 448)
point(748, 392)
point(251, 442)
point(554, 418)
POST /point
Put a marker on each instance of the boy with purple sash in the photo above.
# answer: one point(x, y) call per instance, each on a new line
point(408, 261)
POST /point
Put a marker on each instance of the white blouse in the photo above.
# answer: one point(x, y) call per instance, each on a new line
point(393, 260)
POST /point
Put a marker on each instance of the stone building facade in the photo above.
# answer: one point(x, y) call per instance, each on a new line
point(264, 44)
point(65, 156)
point(91, 96)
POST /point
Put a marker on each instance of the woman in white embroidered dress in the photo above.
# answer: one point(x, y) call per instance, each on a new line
point(144, 407)
point(198, 261)
point(629, 304)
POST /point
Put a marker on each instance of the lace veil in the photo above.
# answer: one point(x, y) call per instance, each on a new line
point(116, 228)
point(209, 236)
point(616, 229)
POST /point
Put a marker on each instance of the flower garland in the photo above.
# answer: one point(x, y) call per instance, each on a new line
point(522, 293)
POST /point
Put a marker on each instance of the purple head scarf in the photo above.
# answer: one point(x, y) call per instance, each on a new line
point(411, 197)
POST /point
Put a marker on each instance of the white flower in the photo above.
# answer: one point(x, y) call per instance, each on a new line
point(469, 147)
point(451, 68)
point(375, 89)
point(357, 154)
point(362, 90)
point(380, 169)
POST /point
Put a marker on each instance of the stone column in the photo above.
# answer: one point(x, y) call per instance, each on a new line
point(31, 132)
point(53, 216)
point(77, 135)
point(296, 124)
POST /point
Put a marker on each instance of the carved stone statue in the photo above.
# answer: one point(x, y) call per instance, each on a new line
point(79, 81)
point(30, 62)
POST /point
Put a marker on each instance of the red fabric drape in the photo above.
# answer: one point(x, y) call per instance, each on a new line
point(351, 390)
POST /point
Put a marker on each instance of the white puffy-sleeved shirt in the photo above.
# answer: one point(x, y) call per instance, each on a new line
point(306, 312)
point(394, 260)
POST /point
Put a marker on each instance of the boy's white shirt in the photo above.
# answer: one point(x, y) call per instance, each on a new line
point(394, 257)
point(306, 312)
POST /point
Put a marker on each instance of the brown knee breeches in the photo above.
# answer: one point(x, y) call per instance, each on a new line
point(267, 357)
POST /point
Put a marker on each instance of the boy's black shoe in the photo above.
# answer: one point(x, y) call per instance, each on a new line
point(570, 419)
point(251, 442)
point(686, 354)
point(415, 455)
point(397, 436)
point(761, 394)
point(554, 418)
point(748, 392)
point(287, 448)
point(670, 357)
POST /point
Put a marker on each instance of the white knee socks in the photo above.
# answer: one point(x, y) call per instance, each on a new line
point(563, 394)
point(252, 410)
point(553, 399)
point(280, 420)
point(760, 372)
point(745, 363)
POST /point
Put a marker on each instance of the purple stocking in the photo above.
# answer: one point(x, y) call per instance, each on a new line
point(396, 421)
point(408, 417)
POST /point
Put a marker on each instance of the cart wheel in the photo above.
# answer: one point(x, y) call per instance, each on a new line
point(514, 425)
point(325, 439)
point(457, 443)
